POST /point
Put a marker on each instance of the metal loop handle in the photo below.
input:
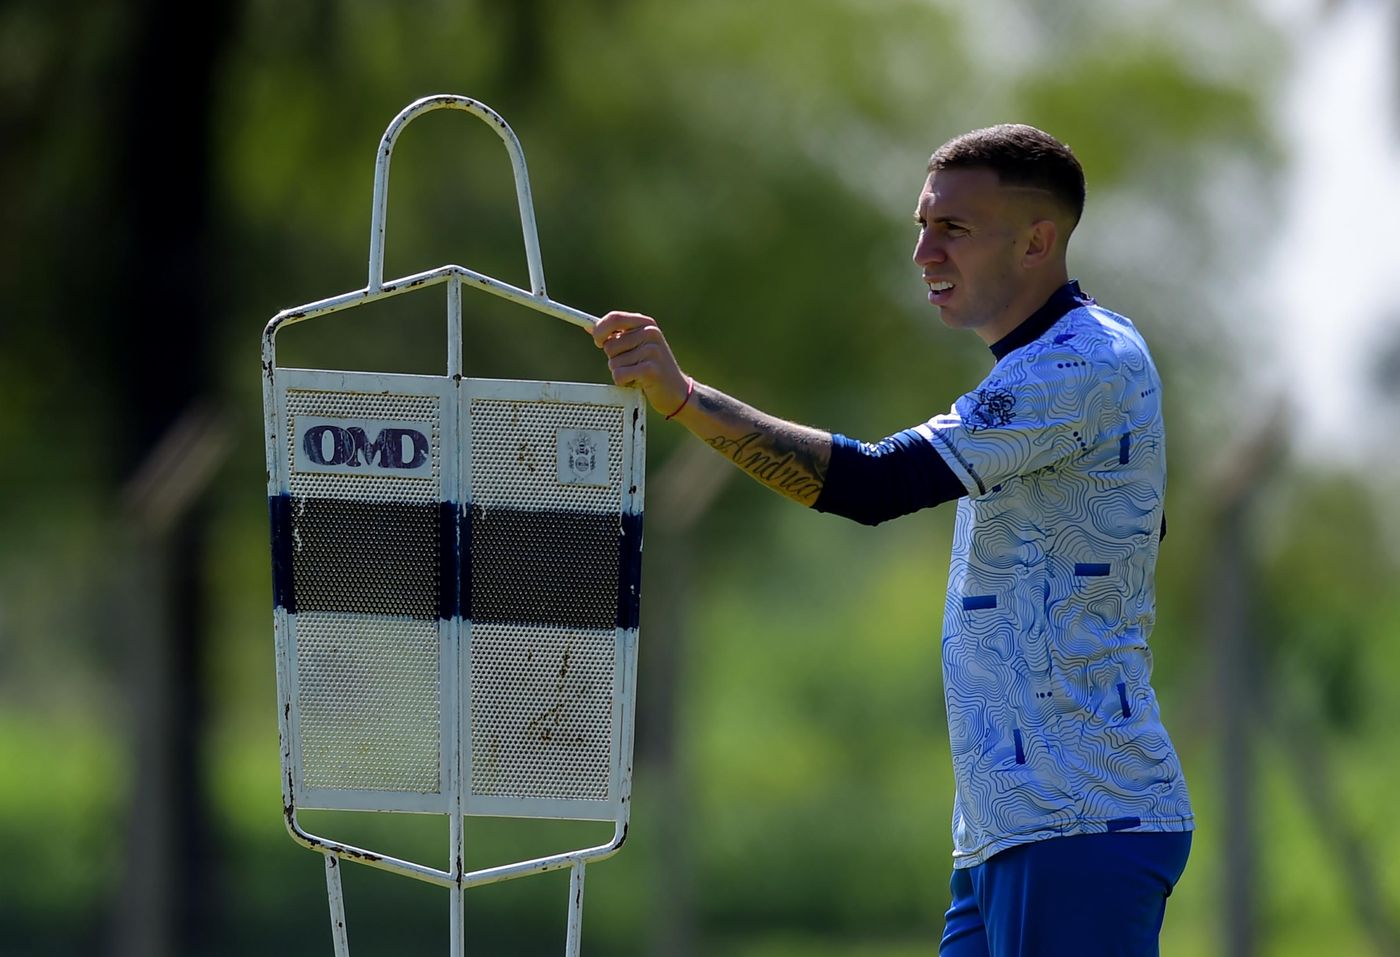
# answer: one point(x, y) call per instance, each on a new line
point(447, 101)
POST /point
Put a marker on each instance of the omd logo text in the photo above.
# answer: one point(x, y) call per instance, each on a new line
point(390, 449)
point(363, 447)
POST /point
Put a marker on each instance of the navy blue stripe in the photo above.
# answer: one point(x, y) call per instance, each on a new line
point(279, 509)
point(1020, 750)
point(1123, 823)
point(1124, 444)
point(629, 572)
point(1123, 700)
point(449, 551)
point(1091, 569)
point(978, 602)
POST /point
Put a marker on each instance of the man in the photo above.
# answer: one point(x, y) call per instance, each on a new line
point(1071, 821)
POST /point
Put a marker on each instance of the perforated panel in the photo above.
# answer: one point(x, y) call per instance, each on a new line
point(368, 702)
point(544, 567)
point(530, 555)
point(350, 405)
point(514, 454)
point(368, 557)
point(541, 712)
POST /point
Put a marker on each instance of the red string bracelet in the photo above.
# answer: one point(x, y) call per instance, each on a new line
point(689, 390)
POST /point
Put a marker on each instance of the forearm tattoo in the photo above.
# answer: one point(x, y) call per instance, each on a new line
point(790, 459)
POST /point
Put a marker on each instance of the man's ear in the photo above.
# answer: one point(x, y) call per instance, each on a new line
point(1041, 243)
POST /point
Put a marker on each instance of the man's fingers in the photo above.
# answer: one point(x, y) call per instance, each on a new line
point(639, 356)
point(615, 324)
point(624, 374)
point(635, 366)
point(636, 337)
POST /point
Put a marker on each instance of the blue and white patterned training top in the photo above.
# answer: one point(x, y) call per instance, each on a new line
point(1054, 725)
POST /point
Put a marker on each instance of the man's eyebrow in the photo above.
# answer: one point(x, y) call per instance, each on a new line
point(919, 217)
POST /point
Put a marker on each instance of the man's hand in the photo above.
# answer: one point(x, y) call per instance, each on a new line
point(788, 458)
point(639, 356)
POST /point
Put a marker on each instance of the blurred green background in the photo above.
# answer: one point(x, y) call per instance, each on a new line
point(177, 173)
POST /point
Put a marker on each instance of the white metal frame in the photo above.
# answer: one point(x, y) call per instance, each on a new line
point(454, 800)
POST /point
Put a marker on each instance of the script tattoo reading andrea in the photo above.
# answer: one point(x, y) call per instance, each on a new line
point(790, 470)
point(775, 453)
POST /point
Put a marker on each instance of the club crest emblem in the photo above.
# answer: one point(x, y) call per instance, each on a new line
point(583, 457)
point(991, 409)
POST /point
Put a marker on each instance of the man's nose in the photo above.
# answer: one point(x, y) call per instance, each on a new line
point(927, 250)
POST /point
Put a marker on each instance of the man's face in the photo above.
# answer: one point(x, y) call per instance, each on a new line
point(972, 235)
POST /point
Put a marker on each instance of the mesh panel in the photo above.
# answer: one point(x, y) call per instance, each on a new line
point(514, 454)
point(350, 405)
point(369, 554)
point(369, 704)
point(544, 567)
point(367, 557)
point(541, 712)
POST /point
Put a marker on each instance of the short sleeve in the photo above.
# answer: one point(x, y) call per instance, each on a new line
point(1037, 408)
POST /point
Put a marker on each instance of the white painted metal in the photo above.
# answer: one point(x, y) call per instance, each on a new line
point(454, 326)
point(574, 934)
point(431, 277)
point(456, 828)
point(453, 797)
point(334, 392)
point(452, 721)
point(493, 119)
point(337, 901)
point(457, 893)
point(543, 865)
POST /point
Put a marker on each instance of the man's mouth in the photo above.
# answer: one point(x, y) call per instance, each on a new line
point(940, 291)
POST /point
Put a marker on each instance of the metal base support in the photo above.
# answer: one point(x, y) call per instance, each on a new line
point(575, 934)
point(457, 947)
point(337, 901)
point(457, 920)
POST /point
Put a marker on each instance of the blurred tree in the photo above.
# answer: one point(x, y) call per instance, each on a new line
point(158, 362)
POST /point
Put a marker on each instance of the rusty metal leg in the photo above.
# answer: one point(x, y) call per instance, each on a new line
point(337, 899)
point(457, 920)
point(458, 944)
point(572, 941)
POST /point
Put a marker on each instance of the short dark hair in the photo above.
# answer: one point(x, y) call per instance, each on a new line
point(1020, 155)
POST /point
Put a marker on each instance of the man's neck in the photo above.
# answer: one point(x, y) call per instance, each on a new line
point(1022, 306)
point(1062, 300)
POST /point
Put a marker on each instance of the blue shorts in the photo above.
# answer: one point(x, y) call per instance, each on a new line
point(1089, 895)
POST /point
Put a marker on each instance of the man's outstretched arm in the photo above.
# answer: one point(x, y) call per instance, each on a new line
point(790, 459)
